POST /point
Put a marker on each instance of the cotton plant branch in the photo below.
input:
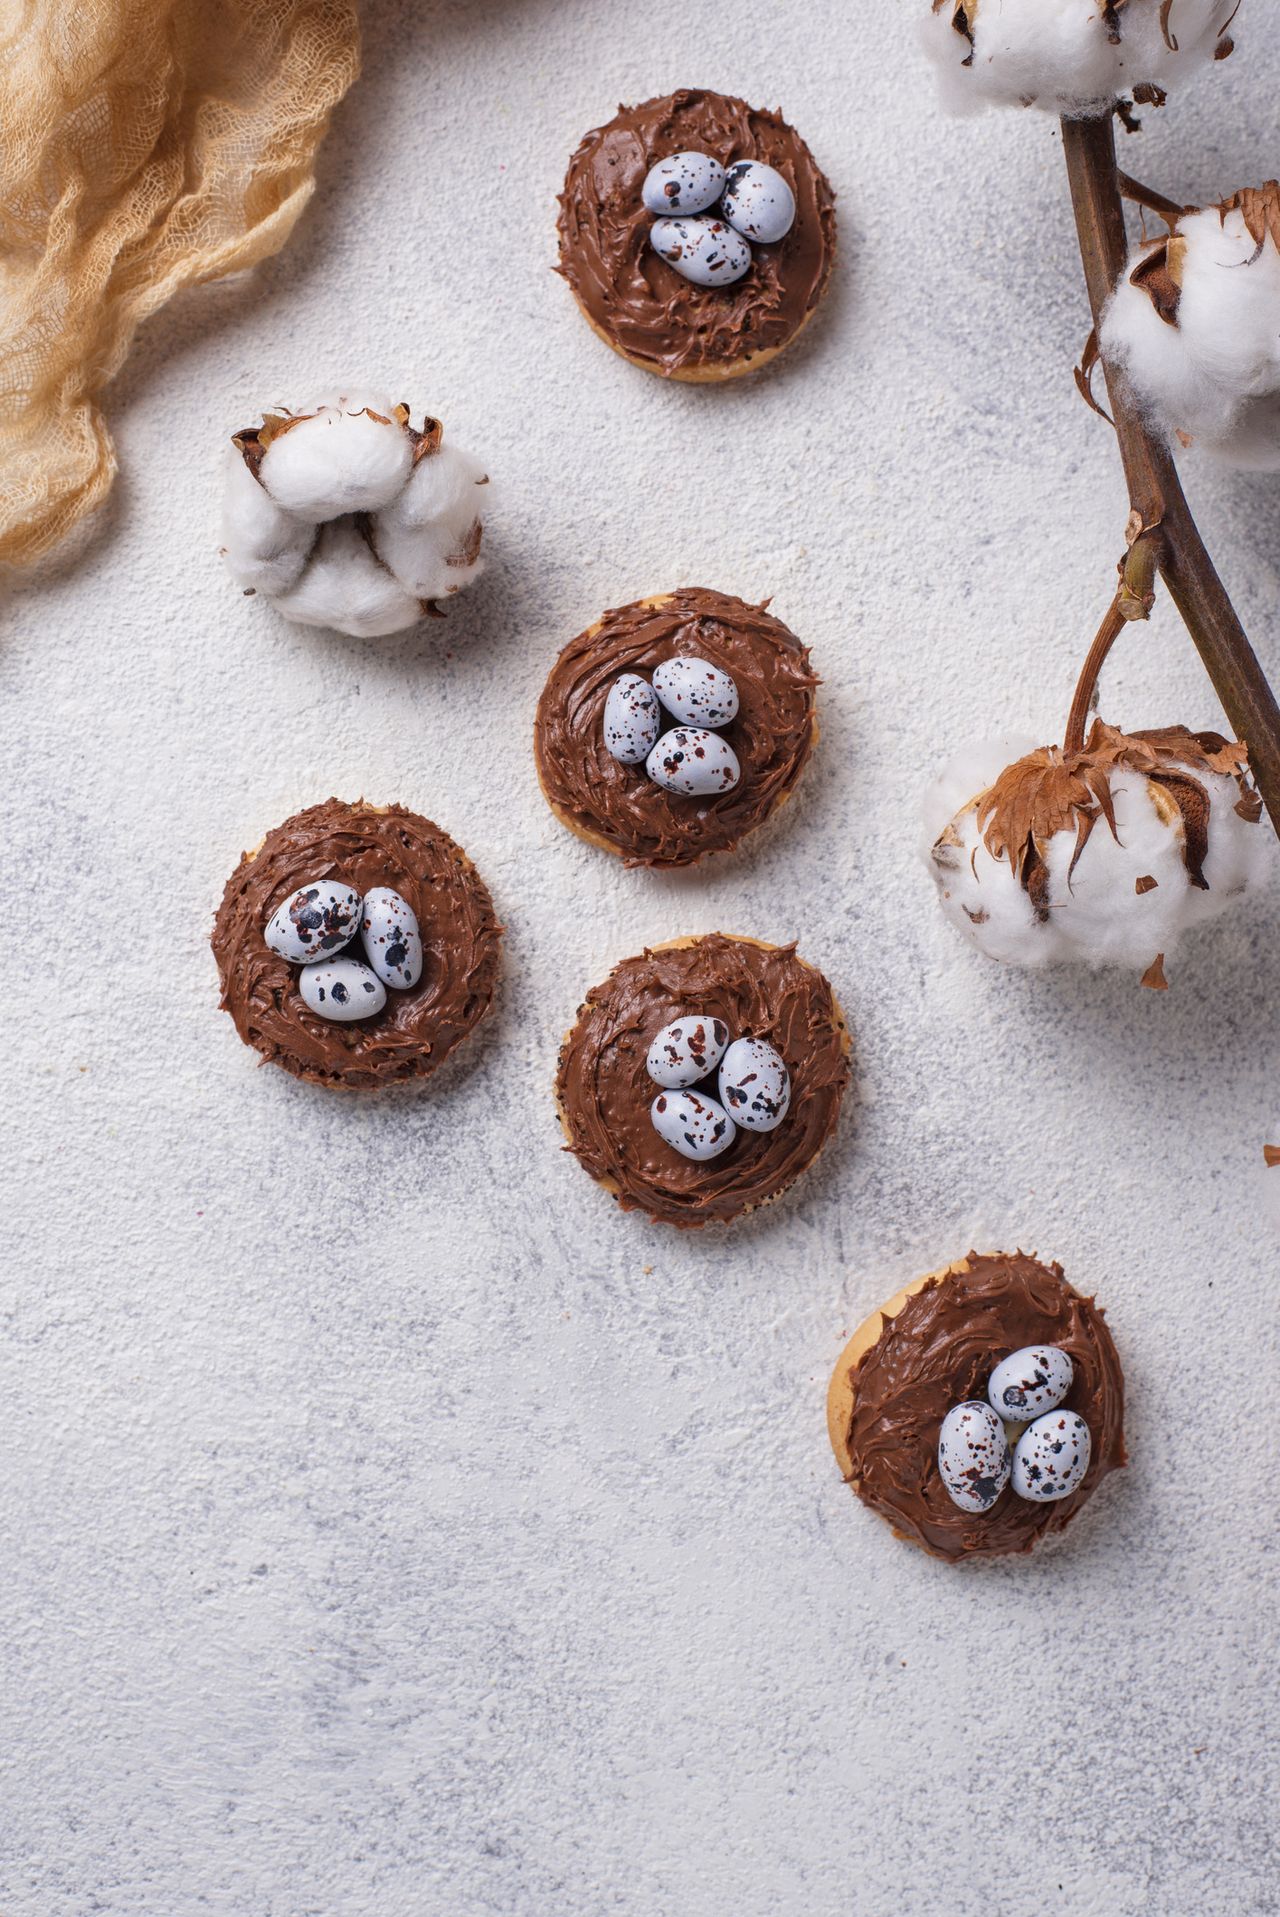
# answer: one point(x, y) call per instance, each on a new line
point(1108, 848)
point(1160, 519)
point(1134, 599)
point(1147, 198)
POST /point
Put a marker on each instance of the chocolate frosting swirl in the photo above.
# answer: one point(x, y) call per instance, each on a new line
point(639, 301)
point(771, 734)
point(604, 1091)
point(362, 846)
point(939, 1350)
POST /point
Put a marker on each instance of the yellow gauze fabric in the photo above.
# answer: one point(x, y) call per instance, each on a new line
point(145, 145)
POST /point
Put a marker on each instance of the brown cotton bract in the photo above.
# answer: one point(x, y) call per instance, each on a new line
point(148, 145)
point(1259, 208)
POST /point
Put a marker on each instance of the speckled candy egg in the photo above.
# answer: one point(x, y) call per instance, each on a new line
point(696, 692)
point(342, 989)
point(754, 1084)
point(694, 763)
point(632, 718)
point(694, 1124)
point(973, 1455)
point(705, 251)
point(688, 1049)
point(389, 934)
point(758, 202)
point(1051, 1457)
point(1032, 1380)
point(314, 922)
point(683, 183)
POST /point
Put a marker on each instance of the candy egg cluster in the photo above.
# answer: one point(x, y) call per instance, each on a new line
point(706, 217)
point(691, 758)
point(1050, 1452)
point(314, 925)
point(753, 1082)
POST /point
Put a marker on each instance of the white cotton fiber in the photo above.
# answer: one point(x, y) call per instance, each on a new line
point(1066, 55)
point(427, 534)
point(347, 520)
point(1103, 916)
point(1208, 373)
point(266, 547)
point(343, 586)
point(421, 558)
point(337, 461)
point(1106, 911)
point(443, 489)
point(984, 899)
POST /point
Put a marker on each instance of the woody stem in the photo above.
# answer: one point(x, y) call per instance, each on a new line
point(1141, 195)
point(1155, 493)
point(1135, 596)
point(1108, 632)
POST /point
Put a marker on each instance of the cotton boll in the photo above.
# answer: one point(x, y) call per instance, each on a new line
point(1186, 842)
point(1229, 307)
point(429, 536)
point(337, 461)
point(1050, 53)
point(348, 517)
point(1154, 358)
point(1067, 56)
point(421, 559)
point(448, 485)
point(1099, 913)
point(1195, 324)
point(980, 895)
point(984, 898)
point(265, 547)
point(343, 586)
point(1241, 853)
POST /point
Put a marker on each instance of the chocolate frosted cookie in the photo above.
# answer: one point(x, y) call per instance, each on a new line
point(980, 1408)
point(674, 726)
point(697, 234)
point(703, 1077)
point(357, 946)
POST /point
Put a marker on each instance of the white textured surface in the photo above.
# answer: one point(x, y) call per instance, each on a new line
point(390, 1526)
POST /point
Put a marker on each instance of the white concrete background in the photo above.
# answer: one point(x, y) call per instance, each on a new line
point(392, 1527)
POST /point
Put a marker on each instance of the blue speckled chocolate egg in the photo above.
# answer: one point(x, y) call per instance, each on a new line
point(758, 202)
point(688, 1049)
point(705, 251)
point(973, 1455)
point(632, 718)
point(1030, 1381)
point(695, 692)
point(342, 989)
point(389, 935)
point(683, 183)
point(693, 762)
point(1051, 1457)
point(695, 1125)
point(314, 922)
point(755, 1086)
